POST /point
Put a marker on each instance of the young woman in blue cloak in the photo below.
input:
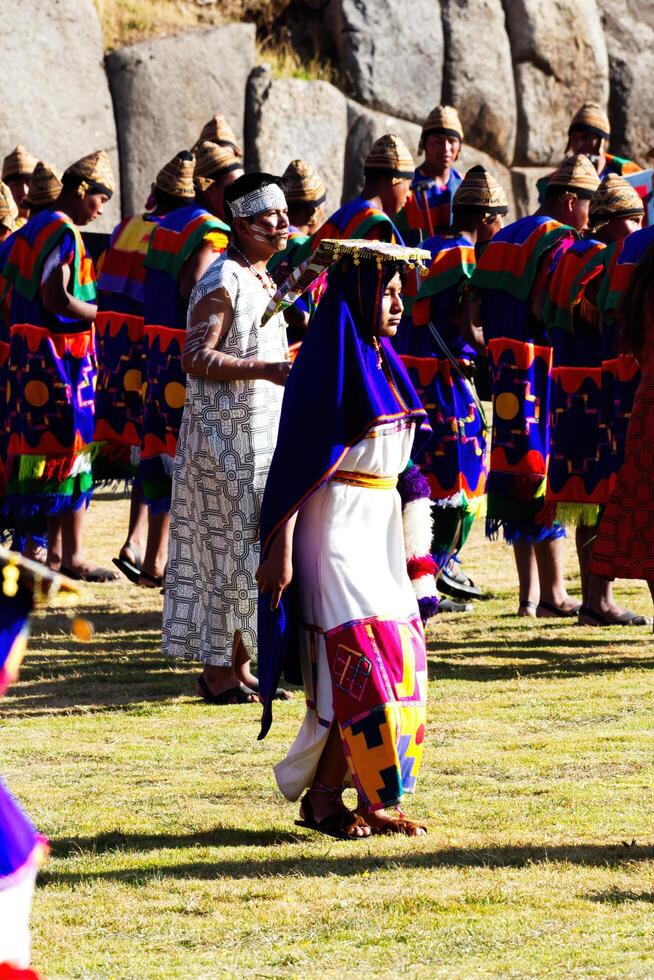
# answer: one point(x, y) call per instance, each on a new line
point(337, 603)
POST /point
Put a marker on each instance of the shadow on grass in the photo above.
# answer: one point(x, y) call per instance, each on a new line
point(534, 657)
point(618, 897)
point(349, 865)
point(218, 837)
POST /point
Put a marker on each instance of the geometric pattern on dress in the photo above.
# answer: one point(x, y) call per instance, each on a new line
point(379, 677)
point(226, 442)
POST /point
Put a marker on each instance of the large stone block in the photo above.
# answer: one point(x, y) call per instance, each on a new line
point(364, 127)
point(478, 76)
point(165, 90)
point(525, 192)
point(54, 96)
point(392, 51)
point(629, 29)
point(560, 60)
point(290, 118)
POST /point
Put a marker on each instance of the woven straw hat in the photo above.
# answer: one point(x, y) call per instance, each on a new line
point(443, 120)
point(176, 178)
point(213, 161)
point(303, 184)
point(389, 156)
point(8, 209)
point(479, 189)
point(44, 187)
point(218, 130)
point(95, 171)
point(576, 174)
point(19, 163)
point(591, 118)
point(614, 198)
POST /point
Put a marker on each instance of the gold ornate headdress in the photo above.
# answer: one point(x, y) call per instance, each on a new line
point(329, 251)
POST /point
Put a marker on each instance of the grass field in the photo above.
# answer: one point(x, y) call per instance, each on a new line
point(173, 854)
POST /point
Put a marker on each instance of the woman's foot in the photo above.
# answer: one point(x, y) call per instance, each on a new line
point(241, 664)
point(527, 609)
point(567, 607)
point(383, 822)
point(325, 811)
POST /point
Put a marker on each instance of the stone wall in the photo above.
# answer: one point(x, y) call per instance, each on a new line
point(516, 70)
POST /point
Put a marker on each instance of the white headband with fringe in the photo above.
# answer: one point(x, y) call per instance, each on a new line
point(267, 198)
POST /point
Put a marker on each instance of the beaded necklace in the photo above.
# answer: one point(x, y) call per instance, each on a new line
point(269, 286)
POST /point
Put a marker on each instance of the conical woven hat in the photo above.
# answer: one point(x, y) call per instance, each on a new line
point(8, 209)
point(44, 187)
point(19, 163)
point(390, 155)
point(218, 130)
point(176, 178)
point(591, 118)
point(95, 169)
point(576, 174)
point(479, 189)
point(303, 184)
point(213, 161)
point(614, 198)
point(443, 120)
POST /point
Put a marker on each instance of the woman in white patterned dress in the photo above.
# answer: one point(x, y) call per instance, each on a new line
point(235, 373)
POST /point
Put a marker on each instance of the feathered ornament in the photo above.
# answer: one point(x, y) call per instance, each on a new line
point(417, 524)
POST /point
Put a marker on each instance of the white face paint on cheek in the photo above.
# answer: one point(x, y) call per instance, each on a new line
point(262, 232)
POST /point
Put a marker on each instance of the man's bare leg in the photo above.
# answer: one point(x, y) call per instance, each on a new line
point(525, 563)
point(549, 558)
point(325, 793)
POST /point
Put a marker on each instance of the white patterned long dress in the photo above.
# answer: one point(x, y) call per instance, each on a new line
point(226, 442)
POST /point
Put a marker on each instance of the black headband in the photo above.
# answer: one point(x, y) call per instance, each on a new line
point(388, 172)
point(587, 128)
point(442, 131)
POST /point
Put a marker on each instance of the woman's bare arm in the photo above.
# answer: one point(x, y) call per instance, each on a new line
point(211, 319)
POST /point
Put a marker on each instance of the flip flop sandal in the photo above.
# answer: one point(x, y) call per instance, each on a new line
point(556, 612)
point(335, 825)
point(233, 695)
point(450, 606)
point(157, 580)
point(128, 569)
point(457, 584)
point(527, 604)
point(625, 618)
point(93, 575)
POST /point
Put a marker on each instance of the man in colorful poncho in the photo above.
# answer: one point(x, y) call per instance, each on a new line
point(182, 247)
point(589, 133)
point(387, 170)
point(428, 208)
point(17, 168)
point(580, 464)
point(120, 348)
point(52, 368)
point(509, 282)
point(439, 362)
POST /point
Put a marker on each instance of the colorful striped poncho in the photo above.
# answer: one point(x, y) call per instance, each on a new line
point(454, 458)
point(51, 374)
point(428, 208)
point(620, 372)
point(175, 239)
point(508, 274)
point(119, 345)
point(579, 464)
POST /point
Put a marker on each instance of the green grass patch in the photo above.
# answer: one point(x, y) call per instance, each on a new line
point(174, 855)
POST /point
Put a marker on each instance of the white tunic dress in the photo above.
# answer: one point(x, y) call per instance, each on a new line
point(349, 566)
point(226, 441)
